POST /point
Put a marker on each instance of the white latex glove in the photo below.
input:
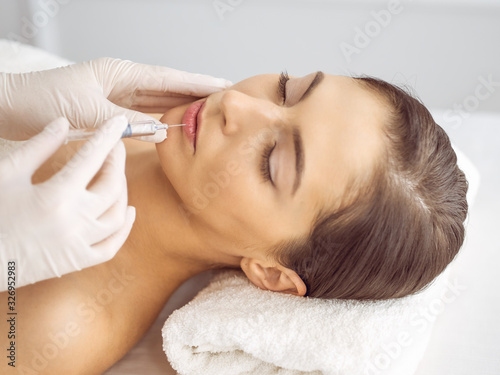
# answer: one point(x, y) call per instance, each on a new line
point(91, 92)
point(60, 225)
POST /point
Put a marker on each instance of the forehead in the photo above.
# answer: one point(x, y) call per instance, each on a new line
point(342, 126)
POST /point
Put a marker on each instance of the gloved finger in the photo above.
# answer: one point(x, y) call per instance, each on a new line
point(32, 154)
point(150, 99)
point(110, 183)
point(109, 109)
point(163, 79)
point(106, 249)
point(162, 94)
point(159, 137)
point(189, 86)
point(84, 165)
point(133, 116)
point(111, 220)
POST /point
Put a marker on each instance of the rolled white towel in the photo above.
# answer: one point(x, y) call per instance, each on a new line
point(232, 327)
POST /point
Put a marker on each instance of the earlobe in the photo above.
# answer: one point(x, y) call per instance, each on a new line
point(254, 271)
point(273, 277)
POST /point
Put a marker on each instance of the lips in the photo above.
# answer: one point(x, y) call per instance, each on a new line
point(192, 118)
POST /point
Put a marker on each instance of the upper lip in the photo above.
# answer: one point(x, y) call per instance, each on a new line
point(192, 119)
point(198, 123)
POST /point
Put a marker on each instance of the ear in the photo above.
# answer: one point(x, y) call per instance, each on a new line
point(271, 276)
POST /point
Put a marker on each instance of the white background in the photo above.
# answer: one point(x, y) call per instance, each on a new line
point(440, 48)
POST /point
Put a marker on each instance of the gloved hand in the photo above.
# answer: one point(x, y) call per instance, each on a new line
point(59, 226)
point(91, 92)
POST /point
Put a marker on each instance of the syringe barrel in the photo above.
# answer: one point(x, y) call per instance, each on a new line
point(137, 129)
point(134, 129)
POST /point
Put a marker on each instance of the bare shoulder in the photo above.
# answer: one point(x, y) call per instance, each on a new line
point(83, 322)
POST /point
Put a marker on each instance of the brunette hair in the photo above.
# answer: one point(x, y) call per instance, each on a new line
point(405, 223)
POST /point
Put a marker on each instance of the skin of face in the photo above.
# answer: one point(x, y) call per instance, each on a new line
point(177, 234)
point(220, 187)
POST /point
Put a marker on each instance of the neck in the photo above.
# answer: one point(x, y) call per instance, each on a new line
point(170, 242)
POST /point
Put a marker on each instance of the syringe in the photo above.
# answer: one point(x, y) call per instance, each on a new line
point(133, 129)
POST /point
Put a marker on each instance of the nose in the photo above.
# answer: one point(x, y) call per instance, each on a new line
point(244, 113)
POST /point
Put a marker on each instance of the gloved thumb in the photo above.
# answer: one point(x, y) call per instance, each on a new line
point(109, 109)
point(134, 116)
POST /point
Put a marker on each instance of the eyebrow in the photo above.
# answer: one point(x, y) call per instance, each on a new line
point(297, 137)
point(315, 82)
point(299, 159)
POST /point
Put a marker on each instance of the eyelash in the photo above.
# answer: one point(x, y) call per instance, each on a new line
point(265, 169)
point(283, 79)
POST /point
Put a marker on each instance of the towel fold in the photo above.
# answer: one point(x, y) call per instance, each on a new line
point(232, 327)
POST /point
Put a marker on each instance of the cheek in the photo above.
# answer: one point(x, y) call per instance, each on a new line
point(230, 199)
point(221, 182)
point(226, 190)
point(226, 171)
point(220, 202)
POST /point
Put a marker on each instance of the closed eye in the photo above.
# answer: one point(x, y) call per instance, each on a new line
point(265, 168)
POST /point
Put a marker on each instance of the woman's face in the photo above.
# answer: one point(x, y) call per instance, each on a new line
point(267, 161)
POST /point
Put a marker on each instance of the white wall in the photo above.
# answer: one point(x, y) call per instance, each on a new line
point(441, 48)
point(10, 16)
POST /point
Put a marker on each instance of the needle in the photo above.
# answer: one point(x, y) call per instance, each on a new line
point(134, 129)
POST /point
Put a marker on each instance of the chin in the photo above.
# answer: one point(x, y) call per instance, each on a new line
point(162, 148)
point(168, 152)
point(164, 117)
